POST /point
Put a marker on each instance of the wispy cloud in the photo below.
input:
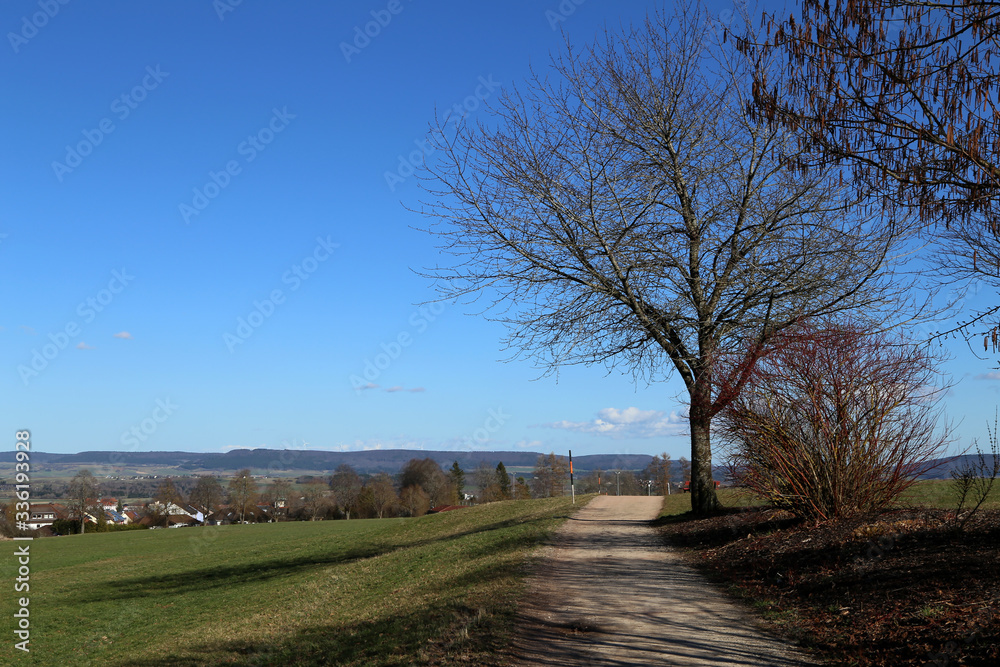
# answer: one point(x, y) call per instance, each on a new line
point(370, 385)
point(392, 390)
point(83, 346)
point(992, 375)
point(123, 334)
point(396, 388)
point(29, 330)
point(537, 445)
point(627, 423)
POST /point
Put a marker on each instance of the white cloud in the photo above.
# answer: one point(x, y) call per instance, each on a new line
point(370, 385)
point(123, 334)
point(628, 423)
point(992, 375)
point(394, 389)
point(83, 346)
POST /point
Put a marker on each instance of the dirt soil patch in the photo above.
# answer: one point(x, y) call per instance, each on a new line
point(606, 591)
point(903, 588)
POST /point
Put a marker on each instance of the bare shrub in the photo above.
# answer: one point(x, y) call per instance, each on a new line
point(835, 421)
point(972, 483)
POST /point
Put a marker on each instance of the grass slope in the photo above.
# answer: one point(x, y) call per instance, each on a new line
point(440, 589)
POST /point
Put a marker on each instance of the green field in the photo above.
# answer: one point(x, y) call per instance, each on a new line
point(934, 493)
point(440, 588)
point(940, 494)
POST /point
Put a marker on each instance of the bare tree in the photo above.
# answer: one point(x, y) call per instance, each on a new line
point(279, 494)
point(685, 467)
point(427, 474)
point(836, 421)
point(382, 495)
point(242, 492)
point(414, 500)
point(485, 478)
point(591, 482)
point(83, 492)
point(346, 485)
point(207, 493)
point(659, 472)
point(627, 211)
point(318, 499)
point(166, 495)
point(550, 476)
point(904, 92)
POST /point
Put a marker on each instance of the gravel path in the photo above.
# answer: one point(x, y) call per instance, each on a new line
point(608, 592)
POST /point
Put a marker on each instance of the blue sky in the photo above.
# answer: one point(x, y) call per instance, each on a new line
point(205, 237)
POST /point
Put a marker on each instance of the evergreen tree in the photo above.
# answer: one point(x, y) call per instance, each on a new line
point(457, 480)
point(503, 481)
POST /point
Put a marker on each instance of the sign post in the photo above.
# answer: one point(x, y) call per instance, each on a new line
point(572, 488)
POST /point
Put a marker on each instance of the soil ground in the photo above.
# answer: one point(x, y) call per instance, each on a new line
point(901, 588)
point(606, 591)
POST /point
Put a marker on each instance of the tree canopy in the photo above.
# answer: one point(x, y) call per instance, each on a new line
point(626, 210)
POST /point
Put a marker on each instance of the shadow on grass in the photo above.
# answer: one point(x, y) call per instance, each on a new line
point(207, 578)
point(399, 640)
point(461, 625)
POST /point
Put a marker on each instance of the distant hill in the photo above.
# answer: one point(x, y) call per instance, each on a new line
point(286, 460)
point(261, 461)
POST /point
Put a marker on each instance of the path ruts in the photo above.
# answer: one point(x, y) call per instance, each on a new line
point(607, 592)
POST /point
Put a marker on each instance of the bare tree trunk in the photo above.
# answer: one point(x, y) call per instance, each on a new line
point(703, 498)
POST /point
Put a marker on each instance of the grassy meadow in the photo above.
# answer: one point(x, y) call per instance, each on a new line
point(440, 588)
point(933, 493)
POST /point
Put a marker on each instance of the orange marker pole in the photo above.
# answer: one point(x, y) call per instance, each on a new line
point(572, 488)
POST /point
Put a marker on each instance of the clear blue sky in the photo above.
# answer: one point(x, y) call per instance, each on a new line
point(169, 167)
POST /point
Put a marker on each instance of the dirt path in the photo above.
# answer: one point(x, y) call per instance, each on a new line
point(607, 592)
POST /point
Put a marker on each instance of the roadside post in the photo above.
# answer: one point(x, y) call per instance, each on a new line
point(572, 488)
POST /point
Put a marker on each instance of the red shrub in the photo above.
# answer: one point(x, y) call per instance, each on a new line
point(835, 421)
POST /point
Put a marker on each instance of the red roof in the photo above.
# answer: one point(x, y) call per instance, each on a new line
point(445, 508)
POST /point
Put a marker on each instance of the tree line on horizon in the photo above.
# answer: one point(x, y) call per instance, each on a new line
point(421, 485)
